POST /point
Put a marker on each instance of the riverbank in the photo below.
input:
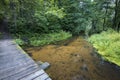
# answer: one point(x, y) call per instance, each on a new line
point(35, 39)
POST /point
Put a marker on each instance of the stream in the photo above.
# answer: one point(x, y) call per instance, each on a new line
point(74, 59)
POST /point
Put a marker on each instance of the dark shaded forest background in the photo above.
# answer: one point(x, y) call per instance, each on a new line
point(48, 16)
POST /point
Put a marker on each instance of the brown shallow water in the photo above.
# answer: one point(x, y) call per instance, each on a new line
point(74, 59)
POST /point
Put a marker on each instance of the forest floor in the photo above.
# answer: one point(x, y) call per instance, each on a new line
point(74, 59)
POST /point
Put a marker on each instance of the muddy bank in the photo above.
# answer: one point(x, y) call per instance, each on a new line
point(74, 59)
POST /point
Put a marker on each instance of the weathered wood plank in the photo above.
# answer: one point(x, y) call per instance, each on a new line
point(10, 57)
point(32, 76)
point(15, 64)
point(48, 79)
point(15, 70)
point(21, 74)
point(42, 77)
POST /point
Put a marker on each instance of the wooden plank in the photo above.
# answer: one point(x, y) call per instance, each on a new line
point(48, 79)
point(15, 70)
point(10, 56)
point(17, 62)
point(42, 77)
point(32, 76)
point(12, 52)
point(21, 74)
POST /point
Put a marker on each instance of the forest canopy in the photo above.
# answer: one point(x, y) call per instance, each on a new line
point(47, 16)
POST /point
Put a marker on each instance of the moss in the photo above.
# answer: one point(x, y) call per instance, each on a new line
point(108, 45)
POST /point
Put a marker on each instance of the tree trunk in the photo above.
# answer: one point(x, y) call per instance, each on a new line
point(20, 8)
point(116, 19)
point(13, 13)
point(59, 4)
point(104, 23)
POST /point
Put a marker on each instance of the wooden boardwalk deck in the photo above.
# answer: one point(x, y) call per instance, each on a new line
point(15, 64)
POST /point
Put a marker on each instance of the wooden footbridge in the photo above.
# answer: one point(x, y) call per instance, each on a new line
point(15, 64)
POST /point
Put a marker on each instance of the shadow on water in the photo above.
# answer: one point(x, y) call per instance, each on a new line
point(75, 59)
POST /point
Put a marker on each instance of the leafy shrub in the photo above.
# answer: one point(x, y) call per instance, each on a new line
point(19, 41)
point(108, 45)
point(41, 22)
point(21, 26)
point(41, 39)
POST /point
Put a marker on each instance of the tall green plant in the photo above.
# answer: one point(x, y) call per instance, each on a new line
point(107, 44)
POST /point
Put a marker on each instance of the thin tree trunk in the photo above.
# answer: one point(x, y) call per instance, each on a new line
point(20, 8)
point(117, 16)
point(59, 4)
point(13, 12)
point(104, 23)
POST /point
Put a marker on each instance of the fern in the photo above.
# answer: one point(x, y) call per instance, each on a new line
point(107, 44)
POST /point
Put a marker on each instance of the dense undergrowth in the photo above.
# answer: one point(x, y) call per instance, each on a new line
point(36, 39)
point(108, 45)
point(0, 34)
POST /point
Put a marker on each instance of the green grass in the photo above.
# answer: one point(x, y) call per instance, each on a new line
point(42, 39)
point(108, 45)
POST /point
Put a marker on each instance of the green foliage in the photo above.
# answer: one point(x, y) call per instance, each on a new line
point(48, 16)
point(37, 17)
point(108, 45)
point(0, 34)
point(20, 28)
point(81, 14)
point(73, 20)
point(19, 41)
point(42, 39)
point(56, 11)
